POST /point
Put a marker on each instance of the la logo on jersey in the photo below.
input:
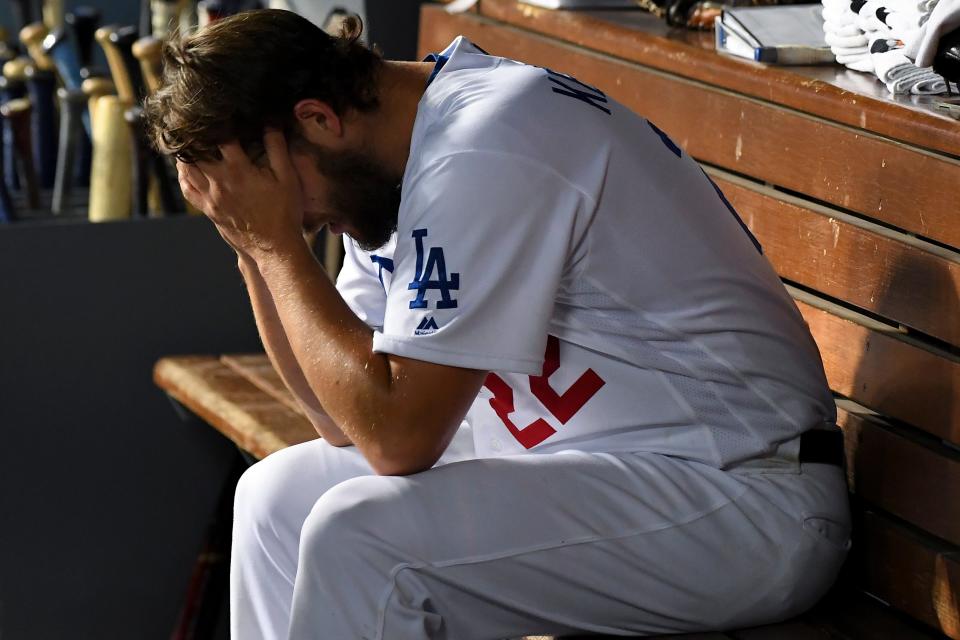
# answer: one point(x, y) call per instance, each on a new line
point(424, 279)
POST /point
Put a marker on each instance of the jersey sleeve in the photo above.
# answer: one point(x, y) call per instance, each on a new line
point(361, 283)
point(482, 242)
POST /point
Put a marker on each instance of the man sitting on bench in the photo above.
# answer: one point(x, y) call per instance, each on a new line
point(560, 388)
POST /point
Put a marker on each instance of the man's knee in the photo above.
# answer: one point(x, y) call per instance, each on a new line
point(277, 492)
point(256, 501)
point(352, 513)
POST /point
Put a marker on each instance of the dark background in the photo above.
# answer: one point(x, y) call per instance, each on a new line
point(105, 494)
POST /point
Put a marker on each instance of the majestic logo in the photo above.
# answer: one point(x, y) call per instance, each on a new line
point(427, 326)
point(424, 280)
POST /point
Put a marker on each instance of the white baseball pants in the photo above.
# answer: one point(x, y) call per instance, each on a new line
point(553, 544)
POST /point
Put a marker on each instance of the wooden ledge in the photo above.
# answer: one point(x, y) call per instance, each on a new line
point(230, 402)
point(831, 92)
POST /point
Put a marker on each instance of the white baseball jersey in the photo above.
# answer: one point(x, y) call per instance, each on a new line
point(549, 235)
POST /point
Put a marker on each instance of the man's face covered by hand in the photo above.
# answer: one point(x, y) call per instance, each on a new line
point(348, 190)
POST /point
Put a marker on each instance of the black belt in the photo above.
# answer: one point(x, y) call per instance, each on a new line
point(824, 447)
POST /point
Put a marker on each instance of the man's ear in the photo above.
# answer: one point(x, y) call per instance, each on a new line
point(318, 121)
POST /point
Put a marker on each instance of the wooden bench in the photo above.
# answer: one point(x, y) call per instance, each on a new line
point(854, 198)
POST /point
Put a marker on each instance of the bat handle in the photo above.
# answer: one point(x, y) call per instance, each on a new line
point(171, 202)
point(110, 196)
point(72, 105)
point(149, 51)
point(7, 211)
point(141, 173)
point(10, 91)
point(41, 87)
point(18, 112)
point(84, 21)
point(53, 14)
point(164, 18)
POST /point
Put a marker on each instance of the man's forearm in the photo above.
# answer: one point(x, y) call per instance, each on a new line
point(281, 355)
point(379, 401)
point(332, 346)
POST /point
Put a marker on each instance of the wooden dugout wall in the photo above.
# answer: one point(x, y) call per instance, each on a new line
point(854, 198)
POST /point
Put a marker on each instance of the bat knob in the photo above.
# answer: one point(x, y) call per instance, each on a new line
point(32, 37)
point(84, 20)
point(124, 37)
point(16, 69)
point(94, 87)
point(147, 48)
point(16, 108)
point(102, 35)
point(33, 33)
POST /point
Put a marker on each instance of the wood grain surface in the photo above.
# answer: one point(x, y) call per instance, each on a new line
point(914, 480)
point(912, 572)
point(830, 92)
point(260, 372)
point(256, 421)
point(894, 275)
point(833, 163)
point(885, 372)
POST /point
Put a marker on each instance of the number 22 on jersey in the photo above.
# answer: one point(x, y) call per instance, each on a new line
point(562, 406)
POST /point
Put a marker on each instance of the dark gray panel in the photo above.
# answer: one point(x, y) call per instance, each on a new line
point(104, 493)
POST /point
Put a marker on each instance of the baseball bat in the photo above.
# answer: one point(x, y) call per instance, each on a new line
point(126, 90)
point(94, 89)
point(17, 111)
point(110, 179)
point(145, 25)
point(53, 14)
point(12, 86)
point(41, 88)
point(24, 12)
point(83, 22)
point(122, 39)
point(62, 47)
point(32, 37)
point(73, 102)
point(187, 12)
point(141, 162)
point(41, 85)
point(8, 212)
point(164, 18)
point(58, 47)
point(165, 194)
point(149, 51)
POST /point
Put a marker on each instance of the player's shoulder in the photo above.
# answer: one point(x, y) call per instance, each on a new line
point(475, 93)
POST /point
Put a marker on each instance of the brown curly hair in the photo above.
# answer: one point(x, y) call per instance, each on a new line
point(236, 77)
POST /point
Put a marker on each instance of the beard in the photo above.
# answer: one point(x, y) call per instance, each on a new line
point(363, 194)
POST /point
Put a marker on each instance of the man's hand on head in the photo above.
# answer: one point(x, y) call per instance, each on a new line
point(255, 208)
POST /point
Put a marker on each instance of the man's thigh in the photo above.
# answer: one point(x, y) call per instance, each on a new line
point(282, 488)
point(544, 543)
